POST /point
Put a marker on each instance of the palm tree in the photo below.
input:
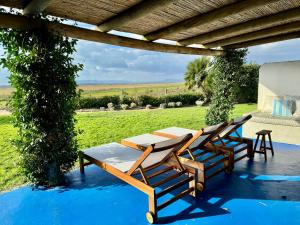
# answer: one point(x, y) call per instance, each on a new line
point(197, 71)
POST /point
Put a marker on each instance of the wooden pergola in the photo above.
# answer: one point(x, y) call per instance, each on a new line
point(213, 25)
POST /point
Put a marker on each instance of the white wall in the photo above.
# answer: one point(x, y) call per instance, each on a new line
point(277, 79)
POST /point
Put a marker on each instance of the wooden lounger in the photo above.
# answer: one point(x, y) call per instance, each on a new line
point(230, 138)
point(210, 161)
point(237, 147)
point(127, 164)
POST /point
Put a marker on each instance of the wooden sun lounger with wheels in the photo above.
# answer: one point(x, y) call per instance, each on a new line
point(230, 138)
point(127, 164)
point(209, 161)
point(236, 146)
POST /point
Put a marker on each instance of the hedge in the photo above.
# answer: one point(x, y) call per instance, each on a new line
point(143, 100)
point(93, 102)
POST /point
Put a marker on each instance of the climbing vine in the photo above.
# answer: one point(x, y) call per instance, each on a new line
point(227, 69)
point(43, 104)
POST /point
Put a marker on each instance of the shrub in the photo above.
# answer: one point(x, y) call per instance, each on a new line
point(88, 103)
point(144, 100)
point(247, 87)
point(125, 99)
point(43, 104)
point(227, 69)
point(185, 99)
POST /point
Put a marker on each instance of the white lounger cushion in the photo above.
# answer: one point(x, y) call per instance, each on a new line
point(146, 140)
point(115, 154)
point(177, 131)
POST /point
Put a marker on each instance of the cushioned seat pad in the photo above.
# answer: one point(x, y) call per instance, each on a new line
point(177, 131)
point(115, 154)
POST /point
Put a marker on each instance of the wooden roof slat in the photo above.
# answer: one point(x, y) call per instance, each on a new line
point(282, 37)
point(139, 10)
point(277, 30)
point(249, 26)
point(36, 6)
point(208, 17)
point(22, 22)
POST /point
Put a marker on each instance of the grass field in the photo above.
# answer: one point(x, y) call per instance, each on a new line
point(104, 127)
point(114, 89)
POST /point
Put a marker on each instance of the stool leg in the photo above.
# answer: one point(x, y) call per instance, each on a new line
point(255, 145)
point(264, 148)
point(271, 145)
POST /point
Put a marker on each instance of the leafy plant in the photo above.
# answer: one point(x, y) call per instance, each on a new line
point(89, 103)
point(226, 71)
point(43, 104)
point(247, 87)
point(195, 76)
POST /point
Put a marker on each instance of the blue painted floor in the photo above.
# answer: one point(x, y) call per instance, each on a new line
point(256, 193)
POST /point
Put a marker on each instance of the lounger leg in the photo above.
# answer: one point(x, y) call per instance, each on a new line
point(231, 160)
point(227, 165)
point(152, 214)
point(201, 180)
point(81, 163)
point(250, 149)
point(193, 183)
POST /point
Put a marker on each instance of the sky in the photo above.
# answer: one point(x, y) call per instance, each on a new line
point(112, 64)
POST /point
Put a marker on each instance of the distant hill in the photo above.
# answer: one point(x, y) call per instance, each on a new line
point(91, 82)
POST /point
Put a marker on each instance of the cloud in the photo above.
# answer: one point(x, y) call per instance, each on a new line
point(104, 63)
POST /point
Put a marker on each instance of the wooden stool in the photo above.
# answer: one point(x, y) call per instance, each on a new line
point(263, 147)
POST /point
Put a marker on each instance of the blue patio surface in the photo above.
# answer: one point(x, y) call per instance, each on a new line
point(255, 193)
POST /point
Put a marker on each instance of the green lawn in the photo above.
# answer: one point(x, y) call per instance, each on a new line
point(104, 127)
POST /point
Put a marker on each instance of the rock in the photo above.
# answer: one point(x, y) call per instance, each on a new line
point(133, 105)
point(148, 106)
point(124, 106)
point(178, 104)
point(171, 104)
point(163, 105)
point(199, 103)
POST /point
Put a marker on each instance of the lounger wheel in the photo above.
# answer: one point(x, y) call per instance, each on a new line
point(150, 217)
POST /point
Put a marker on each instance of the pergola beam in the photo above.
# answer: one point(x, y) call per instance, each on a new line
point(249, 26)
point(36, 6)
point(22, 22)
point(206, 18)
point(273, 31)
point(282, 37)
point(135, 12)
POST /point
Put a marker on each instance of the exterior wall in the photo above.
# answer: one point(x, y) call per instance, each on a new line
point(277, 79)
point(280, 79)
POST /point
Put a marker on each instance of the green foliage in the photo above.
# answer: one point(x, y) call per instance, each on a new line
point(144, 100)
point(43, 103)
point(89, 103)
point(226, 71)
point(186, 99)
point(195, 76)
point(248, 83)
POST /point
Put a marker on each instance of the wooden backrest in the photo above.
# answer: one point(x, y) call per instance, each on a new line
point(204, 136)
point(160, 152)
point(234, 125)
